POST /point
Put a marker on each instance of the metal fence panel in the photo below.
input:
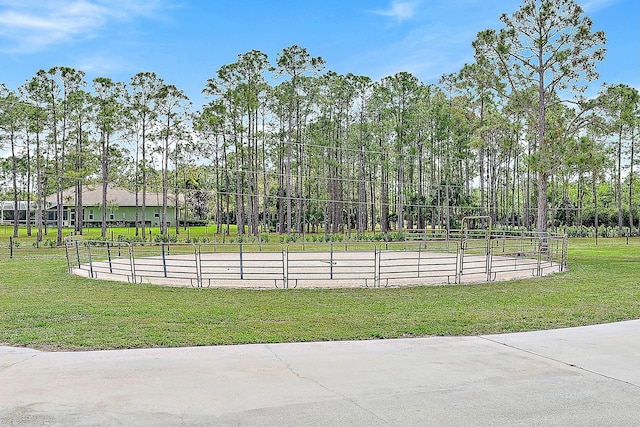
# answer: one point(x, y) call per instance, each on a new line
point(164, 261)
point(243, 261)
point(421, 261)
point(331, 261)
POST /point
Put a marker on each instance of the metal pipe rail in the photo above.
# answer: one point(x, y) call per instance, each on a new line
point(241, 262)
point(314, 263)
point(429, 261)
point(419, 260)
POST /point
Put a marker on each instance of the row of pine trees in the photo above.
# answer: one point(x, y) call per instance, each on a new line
point(289, 146)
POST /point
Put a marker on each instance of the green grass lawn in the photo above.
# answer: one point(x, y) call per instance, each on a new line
point(6, 231)
point(42, 306)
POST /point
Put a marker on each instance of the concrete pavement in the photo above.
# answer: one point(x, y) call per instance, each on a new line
point(588, 376)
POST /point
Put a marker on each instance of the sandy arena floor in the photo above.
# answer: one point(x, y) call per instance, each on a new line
point(267, 270)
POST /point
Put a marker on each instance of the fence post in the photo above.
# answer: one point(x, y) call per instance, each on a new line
point(539, 272)
point(90, 261)
point(132, 262)
point(489, 257)
point(241, 264)
point(198, 265)
point(285, 267)
point(164, 261)
point(331, 261)
point(77, 254)
point(460, 259)
point(10, 247)
point(565, 244)
point(377, 261)
point(109, 257)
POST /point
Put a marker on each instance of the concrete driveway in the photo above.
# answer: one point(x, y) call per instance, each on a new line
point(588, 376)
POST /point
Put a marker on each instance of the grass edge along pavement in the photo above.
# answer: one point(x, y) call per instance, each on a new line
point(43, 307)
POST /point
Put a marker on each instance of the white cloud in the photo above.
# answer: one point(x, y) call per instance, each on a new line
point(399, 10)
point(28, 25)
point(439, 44)
point(101, 64)
point(592, 6)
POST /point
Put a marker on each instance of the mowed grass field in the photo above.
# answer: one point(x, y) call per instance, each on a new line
point(113, 233)
point(42, 306)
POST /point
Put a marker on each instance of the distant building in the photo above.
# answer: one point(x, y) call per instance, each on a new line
point(121, 207)
point(7, 211)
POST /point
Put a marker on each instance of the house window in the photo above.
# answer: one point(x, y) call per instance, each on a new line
point(156, 213)
point(112, 216)
point(90, 214)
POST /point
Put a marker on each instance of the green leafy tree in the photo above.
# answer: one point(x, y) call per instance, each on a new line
point(403, 95)
point(35, 96)
point(12, 121)
point(64, 82)
point(108, 97)
point(620, 105)
point(81, 162)
point(294, 61)
point(141, 113)
point(173, 111)
point(549, 45)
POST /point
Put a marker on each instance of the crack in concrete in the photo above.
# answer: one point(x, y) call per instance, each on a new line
point(316, 382)
point(581, 368)
point(11, 365)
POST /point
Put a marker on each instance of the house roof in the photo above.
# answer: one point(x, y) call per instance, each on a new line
point(116, 196)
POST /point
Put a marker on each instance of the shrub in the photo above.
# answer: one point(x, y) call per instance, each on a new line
point(163, 238)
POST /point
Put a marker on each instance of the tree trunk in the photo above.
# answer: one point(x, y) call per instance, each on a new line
point(144, 178)
point(176, 193)
point(165, 180)
point(14, 179)
point(631, 160)
point(595, 201)
point(481, 161)
point(28, 207)
point(39, 190)
point(619, 182)
point(541, 223)
point(105, 182)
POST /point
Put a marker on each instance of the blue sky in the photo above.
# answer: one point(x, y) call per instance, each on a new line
point(185, 42)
